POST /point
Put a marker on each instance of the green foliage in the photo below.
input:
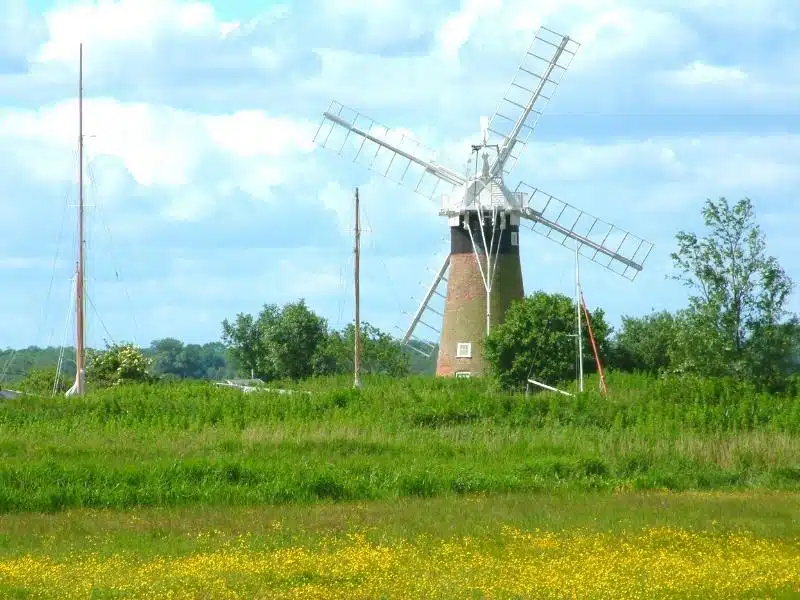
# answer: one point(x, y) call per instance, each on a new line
point(293, 342)
point(15, 364)
point(536, 339)
point(380, 353)
point(244, 338)
point(42, 381)
point(117, 364)
point(279, 342)
point(172, 358)
point(736, 323)
point(194, 443)
point(295, 338)
point(643, 343)
point(419, 364)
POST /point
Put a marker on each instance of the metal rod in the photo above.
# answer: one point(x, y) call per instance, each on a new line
point(80, 328)
point(585, 241)
point(420, 352)
point(497, 167)
point(357, 329)
point(578, 311)
point(438, 170)
point(423, 305)
point(431, 327)
point(548, 387)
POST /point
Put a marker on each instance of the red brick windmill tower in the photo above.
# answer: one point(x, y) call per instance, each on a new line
point(482, 273)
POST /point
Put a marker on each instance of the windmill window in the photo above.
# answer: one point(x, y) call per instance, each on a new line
point(515, 238)
point(464, 350)
point(463, 374)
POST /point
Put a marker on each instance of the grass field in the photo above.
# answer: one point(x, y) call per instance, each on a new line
point(189, 444)
point(597, 545)
point(408, 488)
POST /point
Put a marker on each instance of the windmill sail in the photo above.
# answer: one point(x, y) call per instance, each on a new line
point(468, 293)
point(393, 154)
point(422, 346)
point(540, 71)
point(604, 243)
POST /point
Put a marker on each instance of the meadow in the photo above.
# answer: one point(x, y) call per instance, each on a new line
point(184, 444)
point(412, 487)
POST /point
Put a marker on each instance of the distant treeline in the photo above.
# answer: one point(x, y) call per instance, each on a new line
point(171, 359)
point(737, 324)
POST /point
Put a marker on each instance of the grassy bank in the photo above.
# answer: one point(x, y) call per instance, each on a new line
point(192, 444)
point(657, 544)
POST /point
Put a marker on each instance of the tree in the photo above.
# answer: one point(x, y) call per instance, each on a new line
point(420, 364)
point(165, 354)
point(245, 341)
point(117, 364)
point(644, 343)
point(285, 342)
point(295, 340)
point(44, 381)
point(534, 340)
point(736, 323)
point(214, 356)
point(380, 353)
point(174, 359)
point(16, 364)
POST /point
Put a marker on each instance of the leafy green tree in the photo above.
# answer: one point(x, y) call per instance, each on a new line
point(295, 340)
point(42, 381)
point(15, 364)
point(644, 343)
point(117, 364)
point(174, 359)
point(736, 323)
point(165, 355)
point(245, 340)
point(214, 357)
point(380, 353)
point(280, 342)
point(536, 339)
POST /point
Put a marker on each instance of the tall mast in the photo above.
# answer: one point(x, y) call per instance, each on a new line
point(357, 331)
point(578, 296)
point(80, 333)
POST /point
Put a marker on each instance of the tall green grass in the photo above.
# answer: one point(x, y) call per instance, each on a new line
point(193, 443)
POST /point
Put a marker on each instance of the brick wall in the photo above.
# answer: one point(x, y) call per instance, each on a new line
point(465, 309)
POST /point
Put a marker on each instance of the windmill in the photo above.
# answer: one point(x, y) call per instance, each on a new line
point(482, 272)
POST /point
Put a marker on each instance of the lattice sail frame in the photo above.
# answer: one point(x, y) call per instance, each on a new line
point(436, 289)
point(393, 153)
point(534, 84)
point(398, 156)
point(602, 242)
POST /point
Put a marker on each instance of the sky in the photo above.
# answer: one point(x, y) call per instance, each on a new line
point(208, 197)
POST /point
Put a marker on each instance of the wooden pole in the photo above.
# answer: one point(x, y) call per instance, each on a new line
point(80, 350)
point(578, 311)
point(357, 325)
point(603, 386)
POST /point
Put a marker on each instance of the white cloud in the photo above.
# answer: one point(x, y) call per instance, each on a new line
point(20, 32)
point(666, 175)
point(164, 147)
point(208, 125)
point(700, 73)
point(338, 200)
point(456, 30)
point(111, 26)
point(628, 33)
point(748, 17)
point(29, 262)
